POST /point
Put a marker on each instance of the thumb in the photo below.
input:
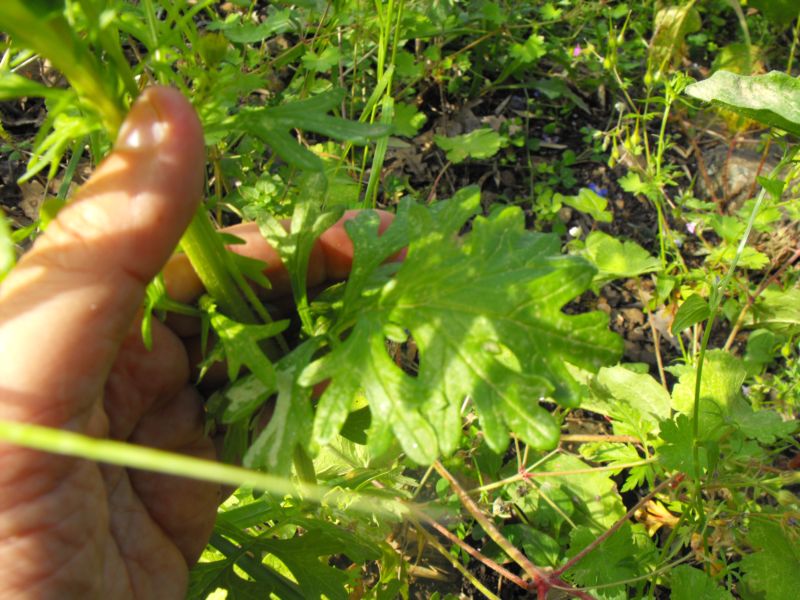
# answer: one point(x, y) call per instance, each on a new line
point(70, 301)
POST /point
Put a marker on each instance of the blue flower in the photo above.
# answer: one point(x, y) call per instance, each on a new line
point(598, 190)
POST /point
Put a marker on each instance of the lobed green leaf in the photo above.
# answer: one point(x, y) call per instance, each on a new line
point(485, 312)
point(617, 259)
point(481, 143)
point(689, 583)
point(274, 447)
point(771, 570)
point(591, 203)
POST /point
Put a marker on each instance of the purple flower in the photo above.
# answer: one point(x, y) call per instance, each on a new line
point(603, 192)
point(576, 51)
point(691, 227)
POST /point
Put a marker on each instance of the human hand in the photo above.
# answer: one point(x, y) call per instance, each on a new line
point(72, 358)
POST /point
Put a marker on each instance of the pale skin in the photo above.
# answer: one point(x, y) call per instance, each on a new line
point(72, 358)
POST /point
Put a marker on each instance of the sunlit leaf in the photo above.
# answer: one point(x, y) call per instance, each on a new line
point(16, 86)
point(720, 388)
point(591, 501)
point(693, 310)
point(530, 51)
point(273, 124)
point(750, 258)
point(274, 447)
point(672, 24)
point(772, 99)
point(240, 343)
point(634, 401)
point(249, 33)
point(591, 203)
point(322, 62)
point(484, 311)
point(778, 310)
point(294, 246)
point(780, 12)
point(407, 119)
point(7, 254)
point(481, 143)
point(624, 555)
point(677, 451)
point(773, 186)
point(617, 259)
point(722, 404)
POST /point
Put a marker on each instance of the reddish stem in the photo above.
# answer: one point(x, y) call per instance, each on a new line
point(610, 531)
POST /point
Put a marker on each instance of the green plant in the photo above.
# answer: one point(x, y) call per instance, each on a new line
point(350, 333)
point(473, 407)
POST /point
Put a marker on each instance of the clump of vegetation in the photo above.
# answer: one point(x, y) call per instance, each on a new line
point(583, 375)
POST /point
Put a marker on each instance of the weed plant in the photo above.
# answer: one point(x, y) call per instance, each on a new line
point(481, 416)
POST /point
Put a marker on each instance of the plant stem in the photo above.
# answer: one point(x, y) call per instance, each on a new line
point(542, 580)
point(512, 551)
point(215, 267)
point(737, 8)
point(209, 262)
point(715, 299)
point(499, 569)
point(303, 465)
point(528, 474)
point(657, 348)
point(387, 104)
point(591, 437)
point(610, 531)
point(793, 49)
point(127, 455)
point(429, 538)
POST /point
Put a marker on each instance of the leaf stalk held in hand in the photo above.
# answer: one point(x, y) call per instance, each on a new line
point(67, 443)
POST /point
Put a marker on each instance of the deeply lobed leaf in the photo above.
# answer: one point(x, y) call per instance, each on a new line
point(485, 312)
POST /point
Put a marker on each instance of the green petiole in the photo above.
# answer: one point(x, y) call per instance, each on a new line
point(122, 454)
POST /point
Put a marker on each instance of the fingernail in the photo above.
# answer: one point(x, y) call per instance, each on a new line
point(143, 128)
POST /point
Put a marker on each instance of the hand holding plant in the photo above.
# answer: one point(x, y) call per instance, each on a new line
point(73, 527)
point(484, 354)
